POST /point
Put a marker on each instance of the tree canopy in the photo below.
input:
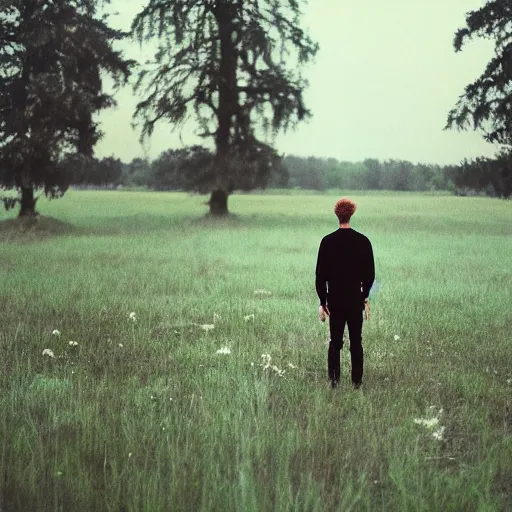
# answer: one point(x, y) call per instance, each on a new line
point(51, 55)
point(487, 102)
point(233, 66)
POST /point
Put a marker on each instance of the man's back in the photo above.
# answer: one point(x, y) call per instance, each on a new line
point(345, 268)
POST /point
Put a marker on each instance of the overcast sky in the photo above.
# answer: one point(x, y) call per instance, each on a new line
point(381, 86)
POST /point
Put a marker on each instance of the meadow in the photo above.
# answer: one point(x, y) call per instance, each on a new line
point(184, 363)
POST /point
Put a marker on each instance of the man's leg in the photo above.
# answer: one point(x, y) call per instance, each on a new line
point(336, 328)
point(355, 326)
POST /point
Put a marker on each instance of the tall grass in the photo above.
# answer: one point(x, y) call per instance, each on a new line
point(144, 415)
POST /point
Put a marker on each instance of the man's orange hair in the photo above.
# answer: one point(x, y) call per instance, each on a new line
point(344, 209)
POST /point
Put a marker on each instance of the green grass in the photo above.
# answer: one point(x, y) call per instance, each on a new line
point(145, 416)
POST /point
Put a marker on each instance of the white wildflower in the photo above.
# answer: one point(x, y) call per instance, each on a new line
point(509, 381)
point(252, 364)
point(430, 423)
point(207, 327)
point(278, 371)
point(132, 317)
point(292, 366)
point(130, 454)
point(224, 351)
point(249, 317)
point(396, 337)
point(73, 343)
point(48, 352)
point(121, 345)
point(56, 332)
point(266, 360)
point(265, 293)
point(438, 434)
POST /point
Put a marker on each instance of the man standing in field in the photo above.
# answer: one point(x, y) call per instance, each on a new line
point(345, 272)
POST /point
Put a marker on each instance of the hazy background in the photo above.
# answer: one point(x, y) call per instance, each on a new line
point(381, 87)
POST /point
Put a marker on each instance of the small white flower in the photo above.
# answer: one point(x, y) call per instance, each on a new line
point(130, 454)
point(132, 316)
point(438, 434)
point(292, 366)
point(263, 292)
point(278, 371)
point(396, 337)
point(224, 351)
point(249, 317)
point(73, 343)
point(48, 352)
point(252, 364)
point(56, 332)
point(121, 345)
point(509, 381)
point(207, 327)
point(266, 360)
point(429, 423)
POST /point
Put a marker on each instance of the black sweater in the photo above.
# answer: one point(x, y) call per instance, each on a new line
point(345, 269)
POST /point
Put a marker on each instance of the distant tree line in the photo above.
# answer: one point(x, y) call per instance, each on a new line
point(187, 169)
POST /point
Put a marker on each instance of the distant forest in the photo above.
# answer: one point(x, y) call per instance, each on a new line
point(173, 168)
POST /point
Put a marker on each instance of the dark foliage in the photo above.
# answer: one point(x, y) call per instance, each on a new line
point(52, 53)
point(493, 176)
point(487, 103)
point(234, 66)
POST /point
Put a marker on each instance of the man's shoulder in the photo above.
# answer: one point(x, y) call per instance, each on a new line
point(330, 236)
point(361, 236)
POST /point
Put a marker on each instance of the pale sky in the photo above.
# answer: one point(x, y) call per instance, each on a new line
point(381, 86)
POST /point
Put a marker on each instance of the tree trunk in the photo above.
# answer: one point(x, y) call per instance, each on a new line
point(219, 202)
point(228, 102)
point(28, 203)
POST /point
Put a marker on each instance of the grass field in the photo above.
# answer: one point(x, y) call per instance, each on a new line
point(141, 413)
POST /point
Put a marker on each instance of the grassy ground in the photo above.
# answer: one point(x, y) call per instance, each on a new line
point(142, 414)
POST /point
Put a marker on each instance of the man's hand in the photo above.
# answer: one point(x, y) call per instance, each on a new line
point(366, 309)
point(322, 312)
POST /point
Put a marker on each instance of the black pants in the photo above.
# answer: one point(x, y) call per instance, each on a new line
point(353, 317)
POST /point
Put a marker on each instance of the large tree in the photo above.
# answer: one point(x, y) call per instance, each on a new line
point(234, 65)
point(487, 102)
point(52, 53)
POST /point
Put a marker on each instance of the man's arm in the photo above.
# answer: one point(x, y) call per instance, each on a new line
point(368, 270)
point(321, 274)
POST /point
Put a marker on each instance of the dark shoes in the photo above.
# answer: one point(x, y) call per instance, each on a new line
point(355, 385)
